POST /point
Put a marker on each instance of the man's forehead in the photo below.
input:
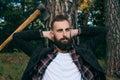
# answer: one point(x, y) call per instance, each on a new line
point(63, 21)
point(62, 27)
point(61, 24)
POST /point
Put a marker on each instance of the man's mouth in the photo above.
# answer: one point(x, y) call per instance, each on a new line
point(64, 40)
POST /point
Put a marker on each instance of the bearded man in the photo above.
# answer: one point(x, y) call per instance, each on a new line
point(65, 60)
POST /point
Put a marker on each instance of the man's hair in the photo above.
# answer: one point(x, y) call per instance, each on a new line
point(59, 18)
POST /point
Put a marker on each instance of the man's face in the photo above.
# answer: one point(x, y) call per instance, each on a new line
point(62, 31)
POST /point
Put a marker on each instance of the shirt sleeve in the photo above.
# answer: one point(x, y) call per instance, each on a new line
point(97, 35)
point(22, 40)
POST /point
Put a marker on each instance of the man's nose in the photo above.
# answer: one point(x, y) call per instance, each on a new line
point(64, 33)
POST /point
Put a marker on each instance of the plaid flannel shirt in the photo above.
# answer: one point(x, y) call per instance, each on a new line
point(42, 66)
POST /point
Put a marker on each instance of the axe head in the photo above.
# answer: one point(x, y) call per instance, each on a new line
point(44, 12)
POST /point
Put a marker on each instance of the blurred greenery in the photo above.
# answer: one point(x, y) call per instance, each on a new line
point(12, 15)
point(14, 12)
point(12, 65)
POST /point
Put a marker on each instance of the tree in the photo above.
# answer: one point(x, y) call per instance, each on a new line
point(66, 7)
point(112, 19)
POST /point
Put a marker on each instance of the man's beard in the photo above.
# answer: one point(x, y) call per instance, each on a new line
point(61, 45)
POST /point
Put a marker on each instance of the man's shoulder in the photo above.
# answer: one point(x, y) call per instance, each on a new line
point(41, 51)
point(88, 56)
point(82, 47)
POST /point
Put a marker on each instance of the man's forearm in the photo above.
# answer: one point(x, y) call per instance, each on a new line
point(93, 31)
point(22, 39)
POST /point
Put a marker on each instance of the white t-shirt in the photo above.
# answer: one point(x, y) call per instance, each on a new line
point(62, 68)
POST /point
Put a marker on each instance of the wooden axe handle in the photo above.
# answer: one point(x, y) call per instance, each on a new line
point(21, 27)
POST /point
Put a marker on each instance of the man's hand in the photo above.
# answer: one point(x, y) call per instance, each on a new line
point(48, 34)
point(75, 32)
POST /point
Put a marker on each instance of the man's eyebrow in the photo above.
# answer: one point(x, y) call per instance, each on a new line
point(69, 28)
point(59, 29)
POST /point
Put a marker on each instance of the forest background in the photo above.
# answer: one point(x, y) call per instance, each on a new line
point(14, 12)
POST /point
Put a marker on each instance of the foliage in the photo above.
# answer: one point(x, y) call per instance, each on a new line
point(91, 11)
point(15, 13)
point(12, 66)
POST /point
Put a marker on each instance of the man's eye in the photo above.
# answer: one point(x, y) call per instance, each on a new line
point(67, 29)
point(59, 30)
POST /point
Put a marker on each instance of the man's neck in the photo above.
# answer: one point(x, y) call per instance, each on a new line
point(61, 51)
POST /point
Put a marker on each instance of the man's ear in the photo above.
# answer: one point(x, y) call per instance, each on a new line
point(51, 33)
point(70, 32)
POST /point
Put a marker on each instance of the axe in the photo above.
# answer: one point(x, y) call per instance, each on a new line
point(40, 9)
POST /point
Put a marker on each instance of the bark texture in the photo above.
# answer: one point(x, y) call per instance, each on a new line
point(65, 7)
point(112, 19)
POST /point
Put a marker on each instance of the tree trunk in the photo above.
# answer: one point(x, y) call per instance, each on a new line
point(65, 7)
point(112, 19)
